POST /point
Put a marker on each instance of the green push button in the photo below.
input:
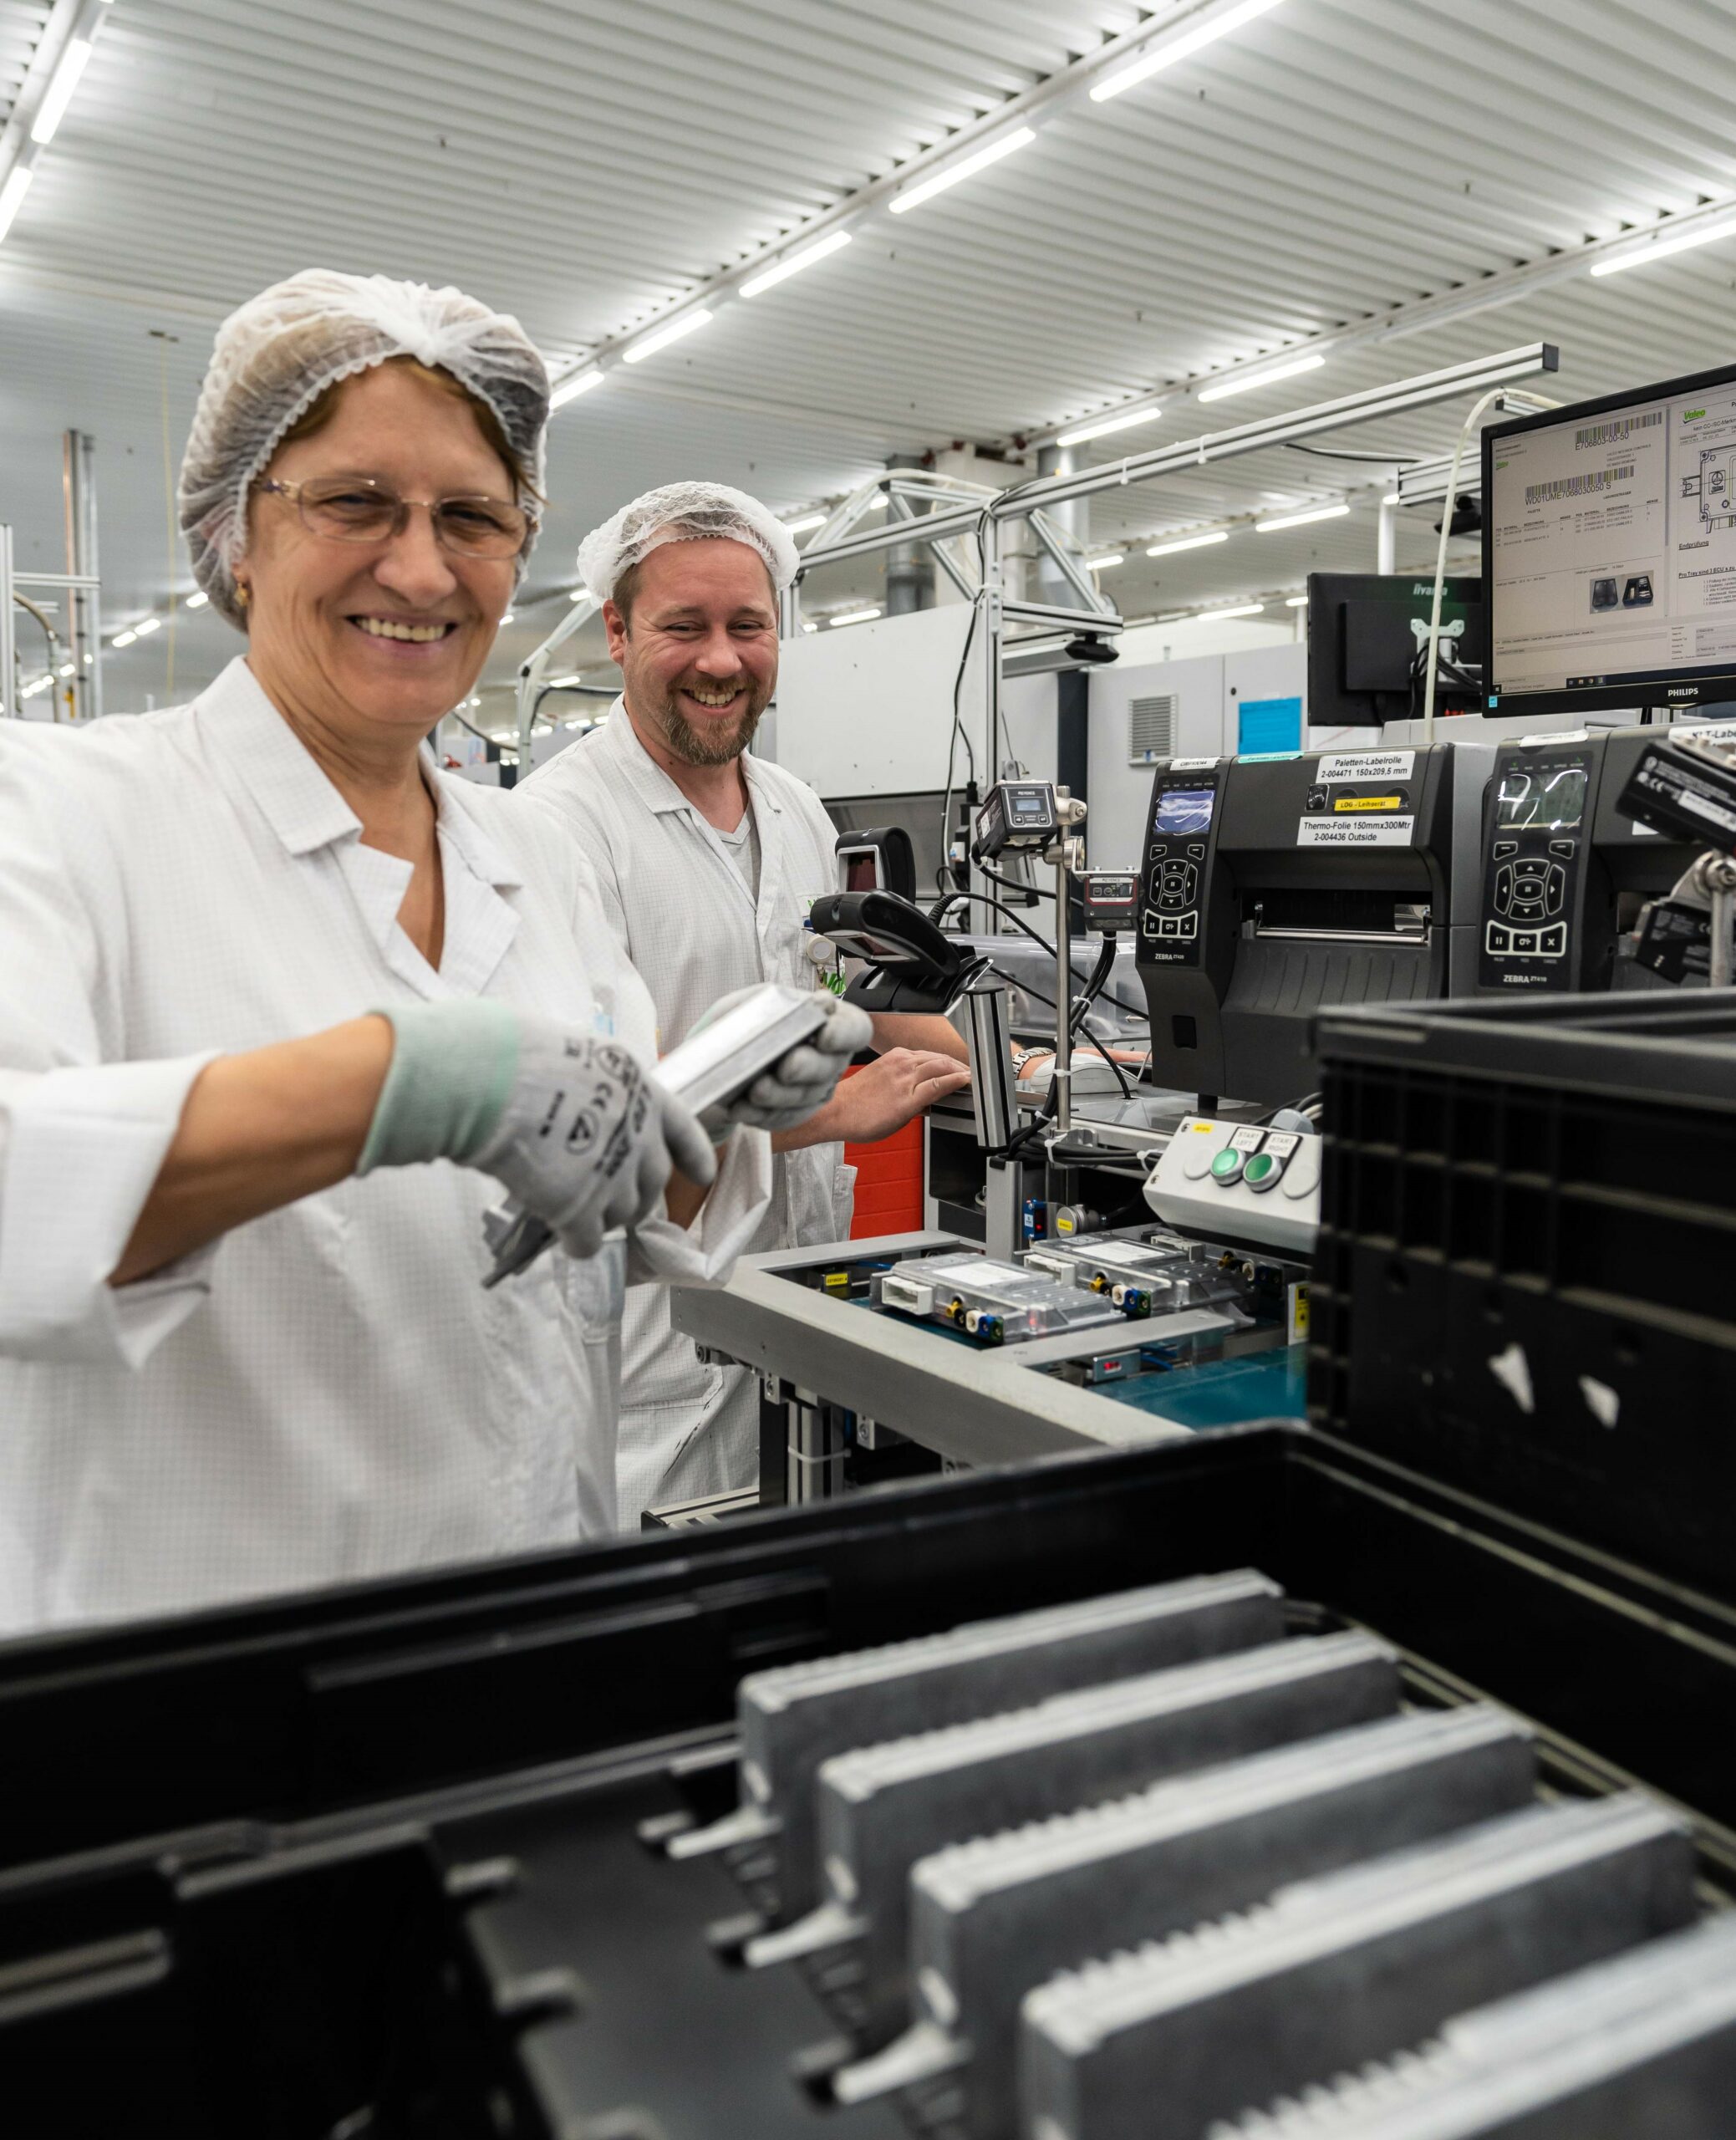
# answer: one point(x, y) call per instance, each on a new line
point(1261, 1170)
point(1227, 1167)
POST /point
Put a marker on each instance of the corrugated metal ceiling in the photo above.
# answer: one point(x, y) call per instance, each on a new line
point(588, 166)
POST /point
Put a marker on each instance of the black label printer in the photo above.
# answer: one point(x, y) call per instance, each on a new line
point(1270, 887)
point(1564, 873)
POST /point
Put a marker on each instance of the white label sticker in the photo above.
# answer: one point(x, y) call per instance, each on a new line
point(1365, 765)
point(1247, 1139)
point(1703, 805)
point(1354, 831)
point(1710, 731)
point(1191, 765)
point(1562, 736)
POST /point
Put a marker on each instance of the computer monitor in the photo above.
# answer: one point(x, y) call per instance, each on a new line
point(1609, 551)
point(1366, 633)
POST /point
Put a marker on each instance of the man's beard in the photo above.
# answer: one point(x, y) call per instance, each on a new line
point(713, 745)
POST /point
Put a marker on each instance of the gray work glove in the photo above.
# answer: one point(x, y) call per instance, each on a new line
point(799, 1084)
point(576, 1128)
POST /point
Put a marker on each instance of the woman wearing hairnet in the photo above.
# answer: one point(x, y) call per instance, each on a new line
point(281, 1009)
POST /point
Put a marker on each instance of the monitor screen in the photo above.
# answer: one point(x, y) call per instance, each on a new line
point(1549, 798)
point(1184, 810)
point(1612, 546)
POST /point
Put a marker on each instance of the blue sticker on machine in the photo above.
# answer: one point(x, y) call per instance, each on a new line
point(1269, 726)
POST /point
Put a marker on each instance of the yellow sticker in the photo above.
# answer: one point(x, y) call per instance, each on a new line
point(1205, 1127)
point(1368, 803)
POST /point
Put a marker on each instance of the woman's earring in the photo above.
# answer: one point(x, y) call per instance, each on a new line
point(243, 594)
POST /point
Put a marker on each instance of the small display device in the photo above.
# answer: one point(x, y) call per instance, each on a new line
point(1549, 801)
point(1183, 810)
point(1017, 813)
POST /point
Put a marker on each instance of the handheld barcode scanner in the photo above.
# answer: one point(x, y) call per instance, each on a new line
point(879, 858)
point(913, 966)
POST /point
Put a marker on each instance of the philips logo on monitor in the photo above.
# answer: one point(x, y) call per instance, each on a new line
point(1686, 691)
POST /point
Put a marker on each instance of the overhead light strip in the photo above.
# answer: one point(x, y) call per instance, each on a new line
point(663, 337)
point(974, 147)
point(1211, 23)
point(1103, 426)
point(1251, 382)
point(58, 95)
point(1188, 542)
point(793, 263)
point(65, 71)
point(1663, 248)
point(1276, 526)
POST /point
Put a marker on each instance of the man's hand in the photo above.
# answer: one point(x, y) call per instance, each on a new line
point(880, 1098)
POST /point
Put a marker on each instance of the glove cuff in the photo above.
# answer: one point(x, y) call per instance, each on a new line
point(451, 1073)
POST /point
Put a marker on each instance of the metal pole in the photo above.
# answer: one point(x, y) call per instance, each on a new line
point(1063, 1072)
point(1386, 542)
point(1051, 585)
point(1724, 913)
point(84, 632)
point(11, 705)
point(910, 566)
point(1188, 455)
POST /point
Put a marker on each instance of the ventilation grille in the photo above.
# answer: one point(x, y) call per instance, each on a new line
point(1151, 728)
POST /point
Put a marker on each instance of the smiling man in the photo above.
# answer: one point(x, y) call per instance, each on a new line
point(708, 860)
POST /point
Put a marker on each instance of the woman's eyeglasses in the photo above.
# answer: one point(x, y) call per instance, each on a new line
point(356, 509)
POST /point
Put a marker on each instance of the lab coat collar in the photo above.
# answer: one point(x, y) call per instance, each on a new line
point(246, 729)
point(660, 793)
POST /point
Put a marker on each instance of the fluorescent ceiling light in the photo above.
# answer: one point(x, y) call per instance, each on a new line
point(1301, 519)
point(569, 389)
point(1188, 542)
point(146, 626)
point(577, 594)
point(854, 617)
point(1171, 49)
point(810, 626)
point(1269, 378)
point(1392, 498)
point(11, 194)
point(1296, 601)
point(1209, 616)
point(508, 618)
point(196, 600)
point(967, 167)
point(1104, 424)
point(120, 639)
point(1661, 248)
point(1109, 557)
point(792, 264)
point(60, 94)
point(664, 336)
point(805, 522)
point(564, 683)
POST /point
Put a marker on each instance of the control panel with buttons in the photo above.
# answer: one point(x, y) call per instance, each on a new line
point(1237, 1182)
point(1184, 803)
point(1536, 816)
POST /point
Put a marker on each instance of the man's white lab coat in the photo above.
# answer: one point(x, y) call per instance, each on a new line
point(683, 913)
point(327, 1392)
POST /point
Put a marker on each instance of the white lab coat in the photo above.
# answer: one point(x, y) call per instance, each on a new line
point(684, 915)
point(326, 1392)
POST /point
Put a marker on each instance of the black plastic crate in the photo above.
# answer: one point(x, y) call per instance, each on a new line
point(1526, 1284)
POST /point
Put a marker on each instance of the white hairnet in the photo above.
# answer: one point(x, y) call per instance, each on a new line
point(278, 353)
point(685, 512)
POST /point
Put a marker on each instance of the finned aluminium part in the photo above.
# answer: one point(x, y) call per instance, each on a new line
point(708, 1069)
point(792, 1718)
point(881, 1807)
point(1595, 2056)
point(1157, 2043)
point(992, 1919)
